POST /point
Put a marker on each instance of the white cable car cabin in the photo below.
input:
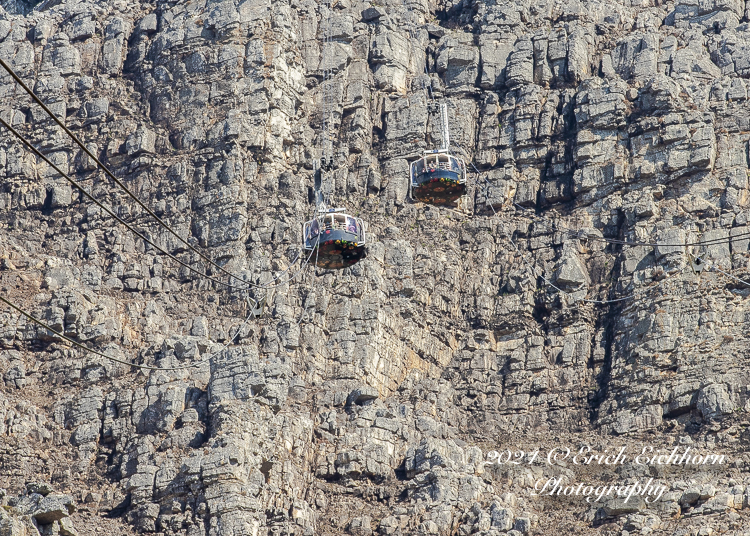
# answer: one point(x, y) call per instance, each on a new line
point(339, 239)
point(438, 178)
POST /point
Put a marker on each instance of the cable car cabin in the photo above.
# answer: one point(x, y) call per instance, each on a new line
point(338, 237)
point(438, 178)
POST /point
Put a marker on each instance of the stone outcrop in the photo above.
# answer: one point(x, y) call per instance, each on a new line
point(556, 305)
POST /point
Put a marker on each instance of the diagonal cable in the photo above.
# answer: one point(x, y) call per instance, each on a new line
point(615, 241)
point(111, 212)
point(115, 179)
point(550, 283)
point(717, 269)
point(116, 360)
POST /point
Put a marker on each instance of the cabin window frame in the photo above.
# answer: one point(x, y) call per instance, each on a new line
point(336, 221)
point(450, 159)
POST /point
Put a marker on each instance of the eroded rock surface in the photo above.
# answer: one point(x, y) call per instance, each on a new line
point(365, 401)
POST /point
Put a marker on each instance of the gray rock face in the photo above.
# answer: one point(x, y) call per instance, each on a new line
point(53, 508)
point(18, 7)
point(714, 401)
point(38, 512)
point(366, 401)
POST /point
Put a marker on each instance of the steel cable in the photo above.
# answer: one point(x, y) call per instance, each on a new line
point(717, 269)
point(115, 179)
point(111, 212)
point(116, 360)
point(135, 231)
point(615, 241)
point(552, 285)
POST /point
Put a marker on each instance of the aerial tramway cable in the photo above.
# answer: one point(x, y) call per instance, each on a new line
point(129, 227)
point(107, 209)
point(337, 239)
point(582, 233)
point(130, 194)
point(715, 268)
point(587, 300)
point(570, 295)
point(116, 360)
point(110, 212)
point(637, 244)
point(121, 184)
point(252, 313)
point(150, 212)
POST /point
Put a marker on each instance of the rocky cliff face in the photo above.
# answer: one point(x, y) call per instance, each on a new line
point(365, 401)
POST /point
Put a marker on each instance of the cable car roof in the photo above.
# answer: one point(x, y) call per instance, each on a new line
point(330, 210)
